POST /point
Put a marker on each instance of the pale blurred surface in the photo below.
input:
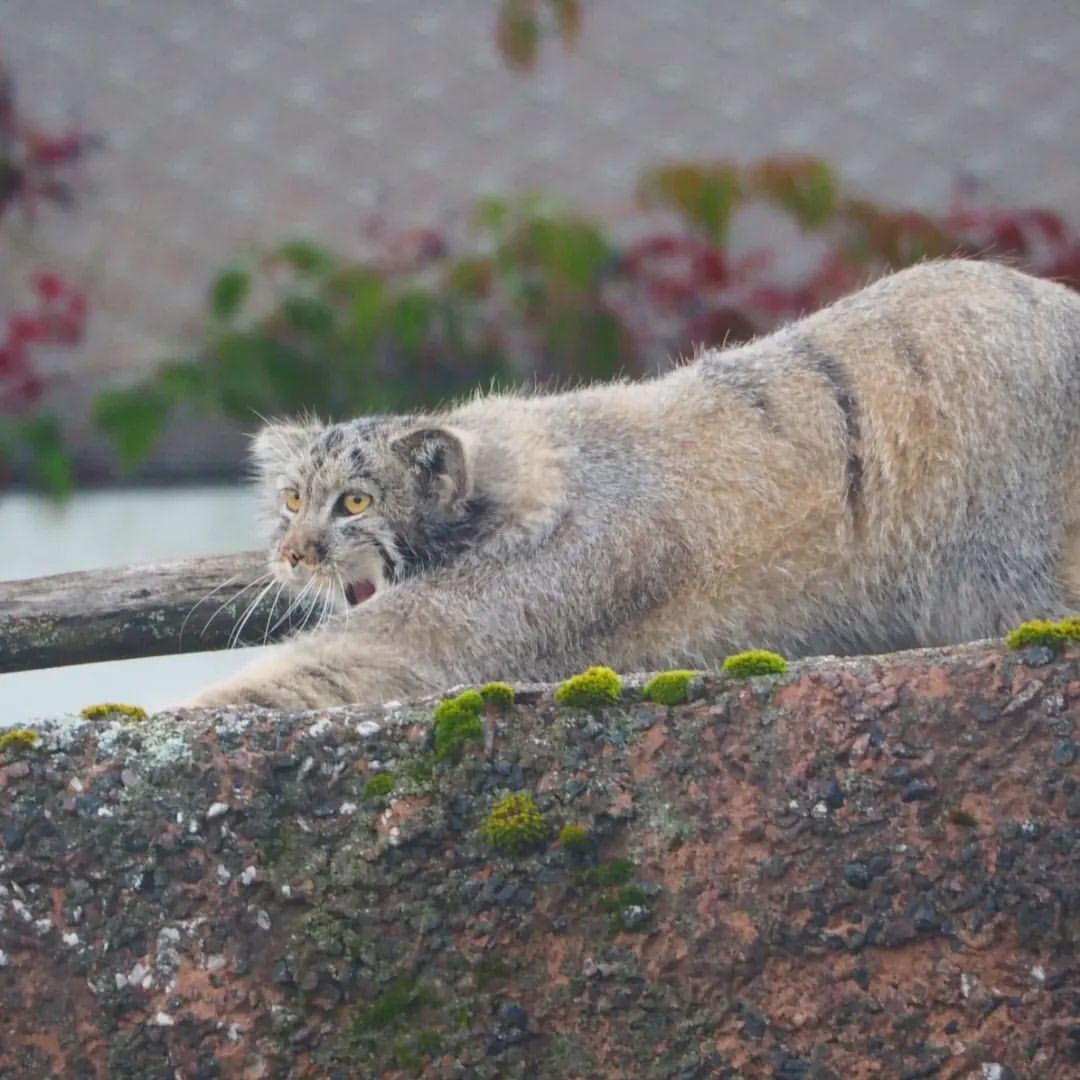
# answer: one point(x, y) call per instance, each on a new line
point(239, 123)
point(99, 529)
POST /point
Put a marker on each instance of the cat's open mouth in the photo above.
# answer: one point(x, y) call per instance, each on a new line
point(356, 592)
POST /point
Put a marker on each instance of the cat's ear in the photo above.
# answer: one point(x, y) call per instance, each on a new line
point(279, 442)
point(439, 459)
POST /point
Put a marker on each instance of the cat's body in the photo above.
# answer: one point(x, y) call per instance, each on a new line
point(900, 469)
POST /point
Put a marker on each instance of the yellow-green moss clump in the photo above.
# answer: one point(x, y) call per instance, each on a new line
point(669, 687)
point(16, 740)
point(574, 838)
point(1055, 635)
point(457, 721)
point(499, 694)
point(109, 710)
point(379, 786)
point(515, 824)
point(746, 665)
point(597, 686)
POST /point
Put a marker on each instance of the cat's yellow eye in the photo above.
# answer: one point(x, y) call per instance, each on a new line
point(355, 504)
point(292, 500)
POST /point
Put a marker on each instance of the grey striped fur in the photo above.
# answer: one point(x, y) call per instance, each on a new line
point(899, 469)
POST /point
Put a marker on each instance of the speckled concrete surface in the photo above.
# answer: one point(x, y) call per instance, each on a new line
point(865, 868)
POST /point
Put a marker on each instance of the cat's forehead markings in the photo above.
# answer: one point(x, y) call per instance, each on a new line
point(326, 447)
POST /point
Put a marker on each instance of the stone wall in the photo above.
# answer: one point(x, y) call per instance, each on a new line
point(863, 868)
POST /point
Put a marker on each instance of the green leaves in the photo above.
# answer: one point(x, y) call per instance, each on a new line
point(805, 187)
point(133, 419)
point(50, 463)
point(305, 257)
point(517, 33)
point(228, 292)
point(704, 194)
point(520, 25)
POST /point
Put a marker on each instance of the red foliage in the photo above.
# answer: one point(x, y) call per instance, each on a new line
point(37, 167)
point(58, 317)
point(680, 289)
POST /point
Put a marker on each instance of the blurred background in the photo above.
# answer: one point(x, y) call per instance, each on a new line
point(226, 208)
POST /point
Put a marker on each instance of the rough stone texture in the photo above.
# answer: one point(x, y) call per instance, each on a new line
point(865, 868)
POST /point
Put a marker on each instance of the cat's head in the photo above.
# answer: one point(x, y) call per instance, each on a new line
point(354, 507)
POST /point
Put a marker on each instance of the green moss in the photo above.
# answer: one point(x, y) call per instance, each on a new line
point(669, 687)
point(387, 1010)
point(406, 1057)
point(595, 687)
point(15, 740)
point(746, 665)
point(110, 710)
point(962, 818)
point(1055, 635)
point(612, 872)
point(379, 786)
point(575, 838)
point(499, 694)
point(429, 1042)
point(457, 721)
point(420, 770)
point(627, 896)
point(491, 968)
point(628, 910)
point(515, 824)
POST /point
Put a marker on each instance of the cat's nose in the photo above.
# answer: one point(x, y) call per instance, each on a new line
point(290, 555)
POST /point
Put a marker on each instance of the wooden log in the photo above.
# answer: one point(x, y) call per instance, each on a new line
point(189, 605)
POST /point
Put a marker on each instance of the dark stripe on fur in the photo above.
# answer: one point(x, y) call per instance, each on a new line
point(910, 349)
point(436, 540)
point(749, 387)
point(821, 363)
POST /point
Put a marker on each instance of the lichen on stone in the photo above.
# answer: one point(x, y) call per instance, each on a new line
point(498, 694)
point(1054, 635)
point(458, 721)
point(16, 740)
point(595, 687)
point(515, 824)
point(669, 687)
point(746, 665)
point(115, 710)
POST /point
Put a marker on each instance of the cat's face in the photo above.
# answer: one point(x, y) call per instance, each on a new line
point(351, 505)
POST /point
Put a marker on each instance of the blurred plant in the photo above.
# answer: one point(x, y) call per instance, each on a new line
point(299, 327)
point(531, 291)
point(36, 168)
point(522, 23)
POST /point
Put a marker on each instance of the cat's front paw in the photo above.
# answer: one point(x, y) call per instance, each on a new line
point(237, 693)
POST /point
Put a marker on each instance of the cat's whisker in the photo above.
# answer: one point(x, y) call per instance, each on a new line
point(320, 604)
point(234, 637)
point(270, 613)
point(198, 603)
point(325, 597)
point(232, 599)
point(292, 606)
point(328, 605)
point(312, 603)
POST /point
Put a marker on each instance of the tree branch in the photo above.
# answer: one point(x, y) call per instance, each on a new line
point(130, 611)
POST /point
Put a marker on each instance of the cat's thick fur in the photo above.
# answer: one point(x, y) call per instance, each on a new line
point(900, 469)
